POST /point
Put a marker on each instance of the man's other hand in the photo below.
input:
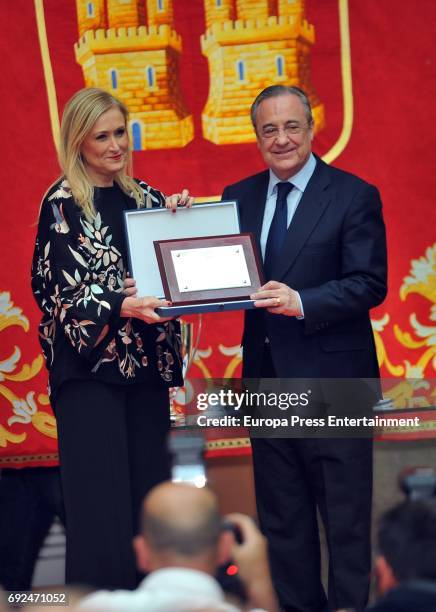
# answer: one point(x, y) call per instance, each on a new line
point(278, 298)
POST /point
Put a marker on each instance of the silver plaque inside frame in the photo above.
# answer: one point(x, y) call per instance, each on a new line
point(214, 267)
point(146, 225)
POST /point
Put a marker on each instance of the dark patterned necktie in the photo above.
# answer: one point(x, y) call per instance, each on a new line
point(278, 229)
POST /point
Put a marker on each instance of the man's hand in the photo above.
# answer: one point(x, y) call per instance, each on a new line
point(179, 199)
point(251, 557)
point(143, 308)
point(278, 298)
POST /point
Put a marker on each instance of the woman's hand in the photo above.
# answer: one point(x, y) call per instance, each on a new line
point(129, 287)
point(179, 199)
point(143, 308)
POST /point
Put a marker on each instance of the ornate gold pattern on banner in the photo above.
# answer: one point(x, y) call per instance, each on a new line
point(378, 326)
point(6, 436)
point(422, 278)
point(199, 356)
point(22, 410)
point(421, 342)
point(411, 394)
point(10, 314)
point(421, 281)
point(235, 352)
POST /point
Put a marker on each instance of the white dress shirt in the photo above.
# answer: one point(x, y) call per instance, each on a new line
point(172, 589)
point(299, 181)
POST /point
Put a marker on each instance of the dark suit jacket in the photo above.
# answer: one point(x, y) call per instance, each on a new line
point(417, 596)
point(335, 256)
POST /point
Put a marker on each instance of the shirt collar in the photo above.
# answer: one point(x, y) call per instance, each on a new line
point(299, 180)
point(185, 578)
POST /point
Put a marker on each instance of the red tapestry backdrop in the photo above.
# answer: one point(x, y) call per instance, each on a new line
point(188, 71)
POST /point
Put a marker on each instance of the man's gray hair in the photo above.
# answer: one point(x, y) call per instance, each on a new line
point(273, 91)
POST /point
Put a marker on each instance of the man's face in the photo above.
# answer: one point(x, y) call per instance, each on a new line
point(284, 152)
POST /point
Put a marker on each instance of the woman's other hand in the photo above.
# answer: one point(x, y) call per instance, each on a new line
point(129, 287)
point(144, 308)
point(179, 199)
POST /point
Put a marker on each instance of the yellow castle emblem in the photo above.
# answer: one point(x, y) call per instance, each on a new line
point(131, 49)
point(251, 44)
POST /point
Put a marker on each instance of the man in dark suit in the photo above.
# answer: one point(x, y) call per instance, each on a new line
point(322, 237)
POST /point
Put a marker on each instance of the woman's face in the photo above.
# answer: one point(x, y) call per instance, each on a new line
point(105, 148)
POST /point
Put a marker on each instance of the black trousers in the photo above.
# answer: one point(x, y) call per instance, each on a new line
point(293, 478)
point(112, 444)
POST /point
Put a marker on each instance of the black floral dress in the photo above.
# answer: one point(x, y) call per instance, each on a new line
point(77, 279)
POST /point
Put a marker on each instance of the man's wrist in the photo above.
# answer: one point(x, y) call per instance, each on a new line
point(301, 315)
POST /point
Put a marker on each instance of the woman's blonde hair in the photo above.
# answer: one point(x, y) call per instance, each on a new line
point(80, 114)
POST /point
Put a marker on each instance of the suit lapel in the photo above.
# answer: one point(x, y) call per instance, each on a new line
point(312, 205)
point(256, 200)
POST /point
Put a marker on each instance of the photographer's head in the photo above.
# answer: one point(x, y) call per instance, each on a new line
point(407, 544)
point(181, 526)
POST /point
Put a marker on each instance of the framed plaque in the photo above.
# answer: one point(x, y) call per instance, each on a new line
point(209, 269)
point(145, 226)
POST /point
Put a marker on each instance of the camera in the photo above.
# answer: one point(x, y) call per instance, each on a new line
point(418, 482)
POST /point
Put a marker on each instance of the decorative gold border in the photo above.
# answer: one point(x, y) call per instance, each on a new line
point(21, 459)
point(48, 71)
point(227, 443)
point(347, 85)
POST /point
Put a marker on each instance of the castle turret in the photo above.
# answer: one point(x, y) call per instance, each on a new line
point(293, 8)
point(91, 15)
point(139, 64)
point(125, 13)
point(160, 11)
point(221, 10)
point(249, 53)
point(255, 9)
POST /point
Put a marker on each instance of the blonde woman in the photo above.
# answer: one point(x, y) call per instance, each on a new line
point(110, 358)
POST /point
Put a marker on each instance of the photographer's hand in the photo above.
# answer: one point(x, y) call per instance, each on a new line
point(251, 556)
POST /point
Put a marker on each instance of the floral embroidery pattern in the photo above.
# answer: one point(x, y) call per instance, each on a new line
point(165, 357)
point(77, 279)
point(106, 258)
